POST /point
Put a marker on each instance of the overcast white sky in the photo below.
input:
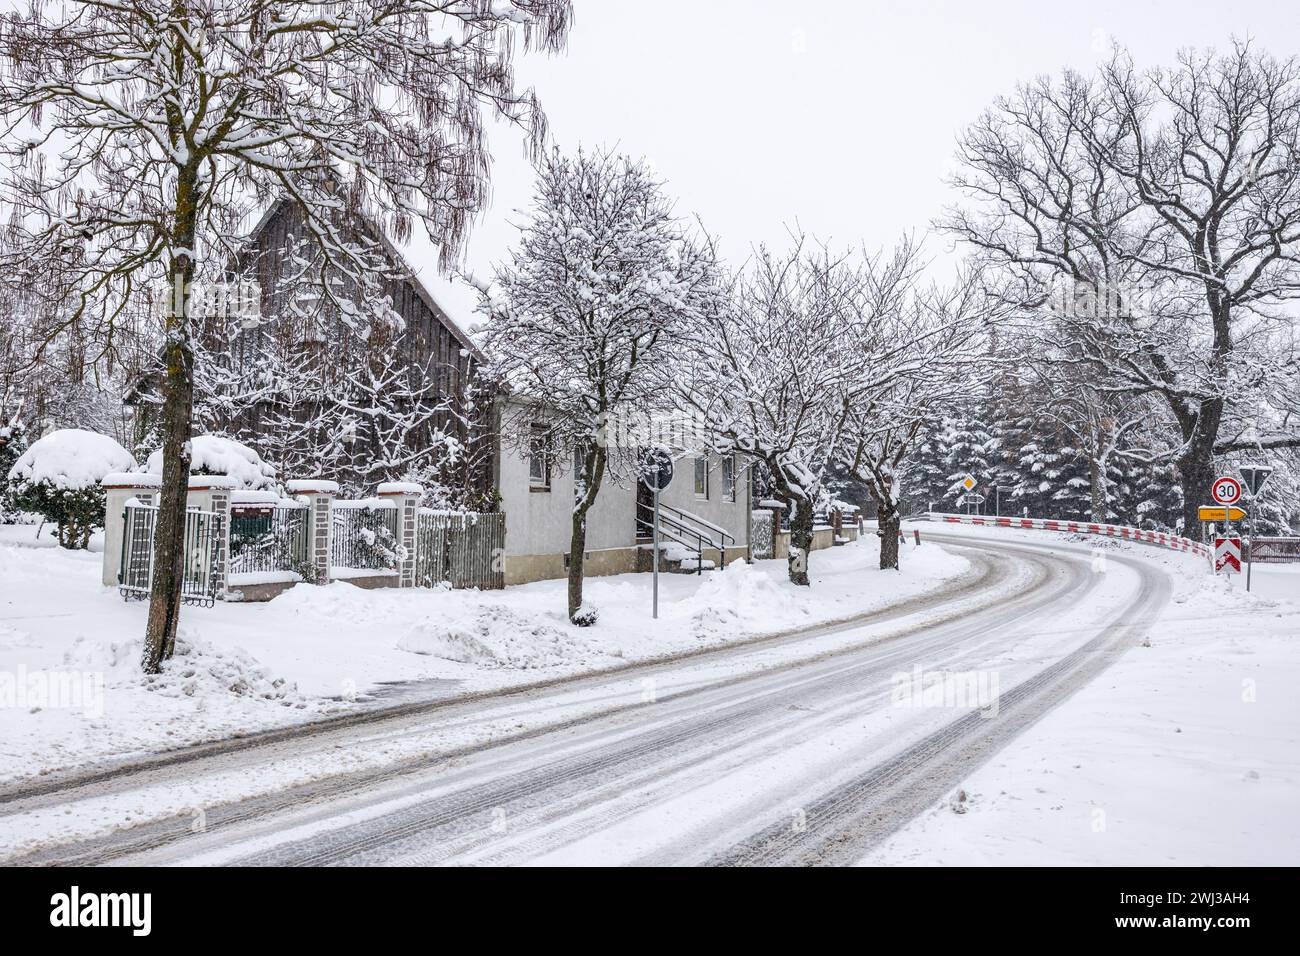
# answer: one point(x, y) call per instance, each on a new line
point(841, 115)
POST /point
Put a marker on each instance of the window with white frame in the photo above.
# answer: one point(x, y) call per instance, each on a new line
point(539, 460)
point(702, 477)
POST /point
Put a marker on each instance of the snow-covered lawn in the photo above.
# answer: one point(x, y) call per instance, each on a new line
point(1186, 752)
point(70, 648)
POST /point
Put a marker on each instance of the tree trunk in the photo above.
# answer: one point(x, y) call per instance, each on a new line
point(577, 545)
point(177, 409)
point(801, 533)
point(1200, 426)
point(1196, 474)
point(1096, 487)
point(889, 521)
point(594, 468)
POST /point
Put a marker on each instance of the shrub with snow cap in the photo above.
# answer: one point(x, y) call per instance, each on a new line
point(215, 455)
point(586, 615)
point(59, 475)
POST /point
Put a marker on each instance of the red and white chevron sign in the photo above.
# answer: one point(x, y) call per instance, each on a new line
point(1158, 538)
point(1227, 555)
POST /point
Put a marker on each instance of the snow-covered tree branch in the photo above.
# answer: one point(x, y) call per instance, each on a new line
point(138, 135)
point(585, 319)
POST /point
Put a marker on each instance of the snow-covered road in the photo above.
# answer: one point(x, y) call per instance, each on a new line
point(809, 748)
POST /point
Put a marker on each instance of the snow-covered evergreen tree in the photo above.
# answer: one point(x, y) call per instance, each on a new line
point(13, 442)
point(58, 476)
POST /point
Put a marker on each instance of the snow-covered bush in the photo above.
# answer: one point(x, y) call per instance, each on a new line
point(586, 615)
point(59, 476)
point(215, 455)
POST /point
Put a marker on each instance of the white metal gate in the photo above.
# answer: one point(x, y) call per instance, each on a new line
point(202, 540)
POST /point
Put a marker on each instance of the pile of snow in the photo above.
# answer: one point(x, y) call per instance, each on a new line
point(72, 459)
point(737, 597)
point(214, 455)
point(499, 636)
point(199, 669)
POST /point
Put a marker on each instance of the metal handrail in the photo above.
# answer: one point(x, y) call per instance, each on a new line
point(676, 524)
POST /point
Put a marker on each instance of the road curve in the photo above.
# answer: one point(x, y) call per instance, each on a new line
point(793, 750)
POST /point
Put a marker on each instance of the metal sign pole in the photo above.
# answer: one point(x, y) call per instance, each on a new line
point(1227, 530)
point(655, 587)
point(1250, 560)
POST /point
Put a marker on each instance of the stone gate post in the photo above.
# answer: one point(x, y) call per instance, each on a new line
point(319, 495)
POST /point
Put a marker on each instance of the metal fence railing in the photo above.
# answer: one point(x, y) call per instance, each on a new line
point(364, 535)
point(1273, 550)
point(464, 549)
point(202, 550)
point(265, 538)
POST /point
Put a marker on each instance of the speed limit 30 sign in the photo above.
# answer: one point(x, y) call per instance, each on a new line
point(1226, 490)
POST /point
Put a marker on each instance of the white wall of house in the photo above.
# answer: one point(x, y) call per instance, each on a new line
point(721, 502)
point(539, 514)
point(539, 519)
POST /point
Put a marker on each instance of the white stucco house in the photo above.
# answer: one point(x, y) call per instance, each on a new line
point(704, 515)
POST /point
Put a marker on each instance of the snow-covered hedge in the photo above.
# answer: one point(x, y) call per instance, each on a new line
point(59, 476)
point(215, 455)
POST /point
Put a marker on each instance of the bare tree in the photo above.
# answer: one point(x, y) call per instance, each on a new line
point(1169, 201)
point(138, 135)
point(917, 353)
point(602, 286)
point(767, 374)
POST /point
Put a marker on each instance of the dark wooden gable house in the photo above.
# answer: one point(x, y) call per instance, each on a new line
point(293, 383)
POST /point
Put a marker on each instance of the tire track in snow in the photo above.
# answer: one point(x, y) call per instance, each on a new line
point(558, 783)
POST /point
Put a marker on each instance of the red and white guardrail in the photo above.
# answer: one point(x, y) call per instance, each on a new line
point(1158, 538)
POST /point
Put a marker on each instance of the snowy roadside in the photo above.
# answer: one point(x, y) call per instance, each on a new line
point(69, 648)
point(1186, 752)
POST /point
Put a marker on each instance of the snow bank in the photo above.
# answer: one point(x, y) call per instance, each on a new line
point(215, 455)
point(1182, 753)
point(198, 669)
point(60, 627)
point(740, 597)
point(499, 636)
point(71, 458)
point(339, 647)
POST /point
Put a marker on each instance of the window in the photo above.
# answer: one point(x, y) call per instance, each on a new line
point(539, 460)
point(729, 477)
point(702, 477)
